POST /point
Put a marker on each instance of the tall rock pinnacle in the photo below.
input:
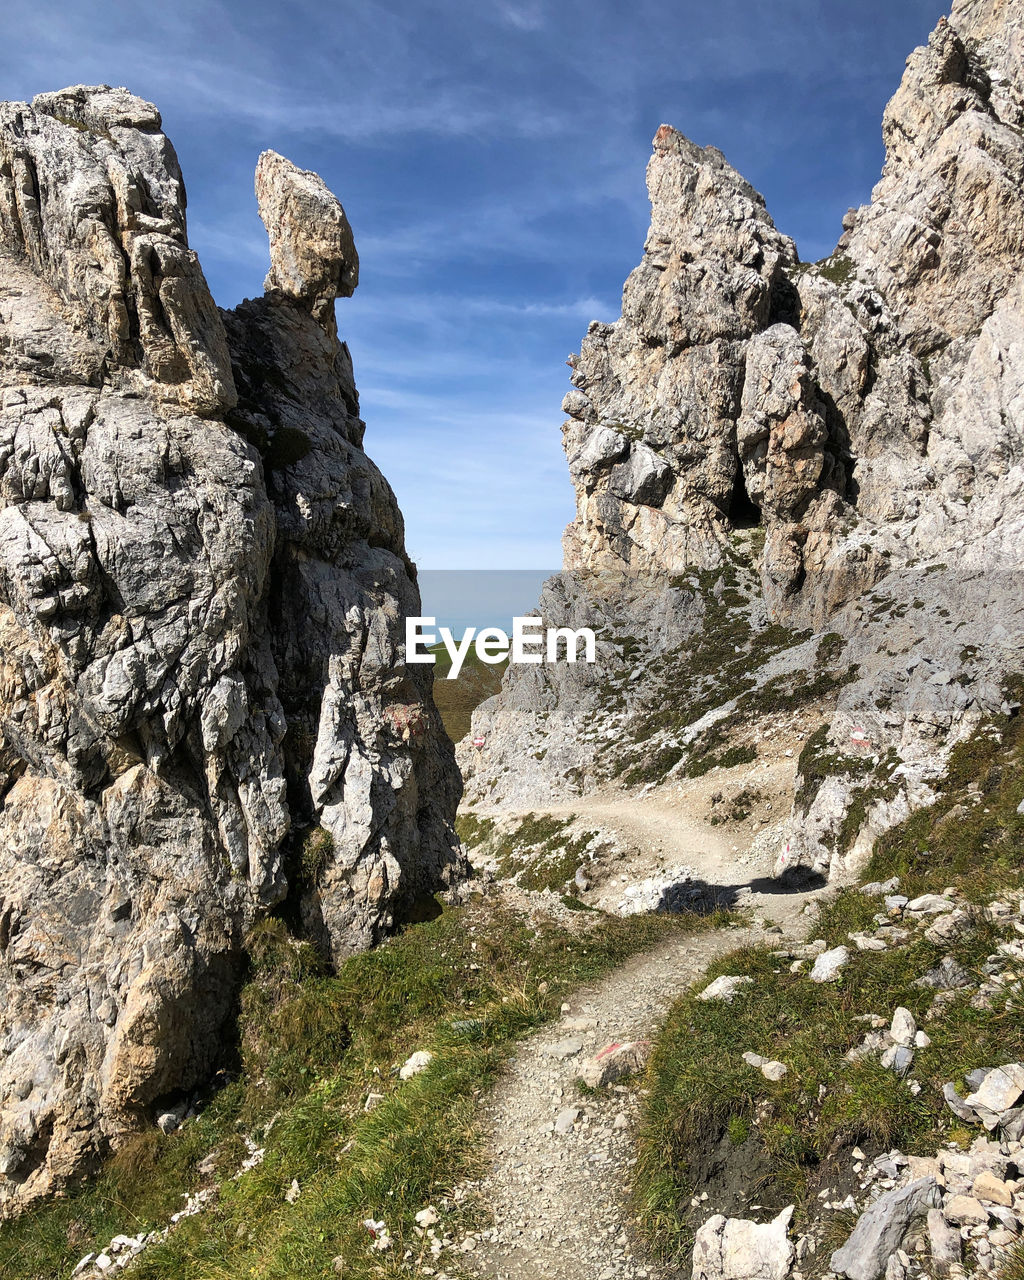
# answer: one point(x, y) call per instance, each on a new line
point(202, 583)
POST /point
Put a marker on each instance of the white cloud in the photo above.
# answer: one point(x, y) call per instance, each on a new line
point(522, 16)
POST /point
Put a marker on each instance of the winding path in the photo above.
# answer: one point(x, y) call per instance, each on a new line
point(559, 1199)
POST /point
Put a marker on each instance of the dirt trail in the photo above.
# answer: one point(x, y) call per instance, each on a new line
point(559, 1199)
point(670, 828)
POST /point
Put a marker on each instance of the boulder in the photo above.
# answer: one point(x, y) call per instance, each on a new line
point(929, 904)
point(830, 964)
point(904, 1027)
point(1001, 1089)
point(944, 1243)
point(737, 1249)
point(947, 975)
point(771, 1070)
point(724, 988)
point(882, 1227)
point(965, 1211)
point(415, 1064)
point(992, 1190)
point(898, 1058)
point(879, 888)
point(949, 927)
point(615, 1061)
point(957, 1105)
point(566, 1118)
point(567, 1048)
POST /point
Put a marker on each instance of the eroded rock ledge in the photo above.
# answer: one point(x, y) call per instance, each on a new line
point(202, 577)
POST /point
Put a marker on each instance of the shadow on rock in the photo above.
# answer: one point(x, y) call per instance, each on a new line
point(699, 897)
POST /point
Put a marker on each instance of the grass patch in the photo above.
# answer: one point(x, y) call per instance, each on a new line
point(1013, 1267)
point(457, 699)
point(824, 1103)
point(539, 853)
point(313, 1047)
point(317, 850)
point(473, 831)
point(794, 690)
point(973, 834)
point(740, 753)
point(830, 649)
point(837, 268)
point(818, 761)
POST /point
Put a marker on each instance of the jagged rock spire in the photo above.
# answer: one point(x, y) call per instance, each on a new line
point(313, 257)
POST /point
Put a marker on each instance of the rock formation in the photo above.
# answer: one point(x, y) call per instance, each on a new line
point(204, 707)
point(866, 412)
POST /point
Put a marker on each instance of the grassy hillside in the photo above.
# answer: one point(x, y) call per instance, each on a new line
point(315, 1052)
point(456, 699)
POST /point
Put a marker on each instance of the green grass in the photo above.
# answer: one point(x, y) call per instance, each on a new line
point(312, 1047)
point(838, 268)
point(818, 761)
point(1013, 1269)
point(472, 830)
point(809, 1027)
point(317, 850)
point(538, 853)
point(712, 748)
point(457, 699)
point(738, 753)
point(973, 834)
point(972, 838)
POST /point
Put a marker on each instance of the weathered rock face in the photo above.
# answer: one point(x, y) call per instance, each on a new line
point(867, 412)
point(312, 253)
point(202, 581)
point(651, 441)
point(867, 395)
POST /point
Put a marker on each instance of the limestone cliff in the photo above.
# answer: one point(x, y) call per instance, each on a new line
point(863, 416)
point(204, 707)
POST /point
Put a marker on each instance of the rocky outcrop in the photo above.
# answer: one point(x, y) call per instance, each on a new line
point(841, 404)
point(313, 256)
point(204, 707)
point(651, 440)
point(833, 449)
point(736, 1249)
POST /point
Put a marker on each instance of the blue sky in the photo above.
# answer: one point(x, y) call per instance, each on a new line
point(491, 158)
